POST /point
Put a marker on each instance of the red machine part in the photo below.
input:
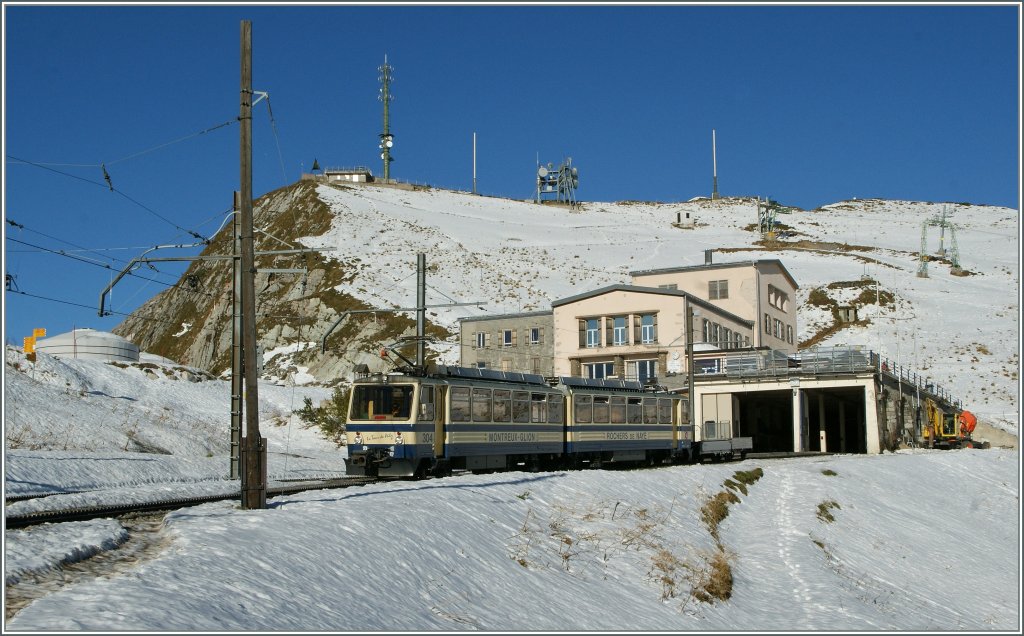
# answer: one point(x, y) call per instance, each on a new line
point(967, 423)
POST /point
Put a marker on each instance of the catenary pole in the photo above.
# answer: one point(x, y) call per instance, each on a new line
point(254, 489)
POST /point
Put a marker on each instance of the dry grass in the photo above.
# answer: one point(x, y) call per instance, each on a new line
point(828, 472)
point(825, 508)
point(716, 509)
point(715, 582)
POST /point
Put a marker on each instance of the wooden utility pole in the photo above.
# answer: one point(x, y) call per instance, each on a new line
point(254, 468)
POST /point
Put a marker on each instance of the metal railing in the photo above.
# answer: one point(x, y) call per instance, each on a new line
point(830, 360)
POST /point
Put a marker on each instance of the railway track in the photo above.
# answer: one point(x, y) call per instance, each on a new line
point(97, 512)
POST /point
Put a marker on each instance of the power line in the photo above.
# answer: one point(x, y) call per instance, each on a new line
point(186, 137)
point(131, 156)
point(116, 190)
point(175, 285)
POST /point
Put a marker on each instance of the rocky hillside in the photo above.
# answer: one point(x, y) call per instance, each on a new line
point(293, 310)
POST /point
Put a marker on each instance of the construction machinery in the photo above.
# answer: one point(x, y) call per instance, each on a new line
point(949, 429)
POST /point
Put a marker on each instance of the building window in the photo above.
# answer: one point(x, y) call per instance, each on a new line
point(726, 338)
point(789, 334)
point(668, 286)
point(535, 365)
point(506, 365)
point(718, 289)
point(481, 340)
point(536, 335)
point(599, 370)
point(648, 328)
point(707, 330)
point(711, 365)
point(508, 337)
point(641, 370)
point(594, 332)
point(737, 340)
point(778, 329)
point(481, 365)
point(778, 299)
point(767, 324)
point(619, 333)
point(716, 334)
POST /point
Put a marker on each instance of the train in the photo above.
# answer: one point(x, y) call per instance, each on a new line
point(423, 423)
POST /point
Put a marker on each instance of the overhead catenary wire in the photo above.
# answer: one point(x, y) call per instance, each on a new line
point(117, 191)
point(131, 156)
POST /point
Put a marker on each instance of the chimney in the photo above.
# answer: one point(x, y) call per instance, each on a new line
point(707, 256)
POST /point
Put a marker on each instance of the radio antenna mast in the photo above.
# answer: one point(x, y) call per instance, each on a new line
point(714, 167)
point(386, 138)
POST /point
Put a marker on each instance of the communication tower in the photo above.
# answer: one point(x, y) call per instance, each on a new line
point(386, 138)
point(558, 184)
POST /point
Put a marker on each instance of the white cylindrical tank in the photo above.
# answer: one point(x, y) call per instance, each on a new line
point(89, 344)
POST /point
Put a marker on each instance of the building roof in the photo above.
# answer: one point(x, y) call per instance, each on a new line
point(527, 314)
point(699, 302)
point(709, 266)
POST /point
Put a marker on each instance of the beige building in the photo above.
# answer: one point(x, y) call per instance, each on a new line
point(638, 333)
point(762, 291)
point(508, 342)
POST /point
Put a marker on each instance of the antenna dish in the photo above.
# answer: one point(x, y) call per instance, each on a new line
point(575, 173)
point(542, 171)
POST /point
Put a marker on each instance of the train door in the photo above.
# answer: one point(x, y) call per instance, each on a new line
point(441, 397)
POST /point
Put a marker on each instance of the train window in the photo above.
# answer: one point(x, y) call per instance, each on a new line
point(634, 414)
point(600, 409)
point(371, 402)
point(520, 406)
point(460, 403)
point(537, 408)
point(426, 403)
point(481, 405)
point(555, 408)
point(650, 410)
point(502, 405)
point(665, 411)
point(583, 407)
point(618, 409)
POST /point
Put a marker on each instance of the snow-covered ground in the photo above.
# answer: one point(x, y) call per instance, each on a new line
point(918, 540)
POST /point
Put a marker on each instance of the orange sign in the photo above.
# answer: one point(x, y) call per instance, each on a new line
point(39, 332)
point(30, 344)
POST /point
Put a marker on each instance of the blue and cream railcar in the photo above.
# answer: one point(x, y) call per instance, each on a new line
point(498, 420)
point(394, 426)
point(609, 421)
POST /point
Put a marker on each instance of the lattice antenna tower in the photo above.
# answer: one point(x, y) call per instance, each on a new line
point(559, 183)
point(386, 138)
point(941, 220)
point(954, 250)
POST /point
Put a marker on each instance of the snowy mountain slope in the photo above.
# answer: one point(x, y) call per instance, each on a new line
point(519, 256)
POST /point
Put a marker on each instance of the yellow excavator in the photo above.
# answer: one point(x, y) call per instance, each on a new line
point(949, 430)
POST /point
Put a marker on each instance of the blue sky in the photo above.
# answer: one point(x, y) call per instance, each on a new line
point(811, 104)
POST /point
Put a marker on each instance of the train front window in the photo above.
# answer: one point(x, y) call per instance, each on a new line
point(378, 402)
